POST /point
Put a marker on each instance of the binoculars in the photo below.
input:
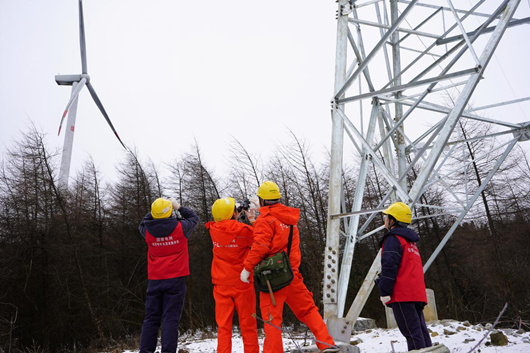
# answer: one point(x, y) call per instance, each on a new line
point(244, 205)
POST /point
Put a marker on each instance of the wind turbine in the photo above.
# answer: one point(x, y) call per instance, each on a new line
point(78, 82)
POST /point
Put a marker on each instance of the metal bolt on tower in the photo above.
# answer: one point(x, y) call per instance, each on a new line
point(400, 60)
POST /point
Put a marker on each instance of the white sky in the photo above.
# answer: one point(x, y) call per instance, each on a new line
point(169, 72)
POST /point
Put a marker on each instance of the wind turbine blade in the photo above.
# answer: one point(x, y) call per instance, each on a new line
point(100, 106)
point(78, 87)
point(82, 41)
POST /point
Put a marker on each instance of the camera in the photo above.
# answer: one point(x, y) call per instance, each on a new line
point(244, 205)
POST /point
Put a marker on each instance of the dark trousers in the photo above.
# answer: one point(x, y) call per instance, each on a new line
point(411, 323)
point(164, 302)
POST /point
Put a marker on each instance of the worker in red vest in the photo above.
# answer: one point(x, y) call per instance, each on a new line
point(401, 282)
point(271, 234)
point(231, 242)
point(167, 268)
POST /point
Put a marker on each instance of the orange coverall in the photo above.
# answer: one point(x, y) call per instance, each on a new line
point(231, 243)
point(271, 234)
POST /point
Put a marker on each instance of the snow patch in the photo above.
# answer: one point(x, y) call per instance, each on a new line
point(459, 337)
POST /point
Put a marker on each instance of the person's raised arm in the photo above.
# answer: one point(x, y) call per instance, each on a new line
point(189, 221)
point(143, 226)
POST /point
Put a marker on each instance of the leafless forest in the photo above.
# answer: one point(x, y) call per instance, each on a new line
point(73, 264)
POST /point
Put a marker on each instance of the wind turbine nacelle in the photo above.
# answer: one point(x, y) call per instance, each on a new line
point(67, 80)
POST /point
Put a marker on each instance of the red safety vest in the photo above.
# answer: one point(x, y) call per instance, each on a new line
point(167, 257)
point(410, 283)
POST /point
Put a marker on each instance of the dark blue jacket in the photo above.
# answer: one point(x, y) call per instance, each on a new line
point(160, 228)
point(391, 257)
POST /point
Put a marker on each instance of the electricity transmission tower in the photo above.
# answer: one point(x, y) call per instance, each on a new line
point(399, 61)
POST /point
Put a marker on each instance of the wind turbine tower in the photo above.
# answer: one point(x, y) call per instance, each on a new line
point(398, 61)
point(78, 82)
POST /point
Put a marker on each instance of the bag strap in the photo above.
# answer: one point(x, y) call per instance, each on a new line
point(290, 241)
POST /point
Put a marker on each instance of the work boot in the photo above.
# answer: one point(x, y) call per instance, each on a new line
point(331, 349)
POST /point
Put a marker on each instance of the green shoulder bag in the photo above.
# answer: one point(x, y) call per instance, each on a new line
point(276, 270)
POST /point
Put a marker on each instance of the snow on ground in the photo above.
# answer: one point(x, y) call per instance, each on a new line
point(457, 336)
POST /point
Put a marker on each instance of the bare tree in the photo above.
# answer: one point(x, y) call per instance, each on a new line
point(198, 189)
point(245, 173)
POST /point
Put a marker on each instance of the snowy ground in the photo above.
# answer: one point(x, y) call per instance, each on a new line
point(457, 336)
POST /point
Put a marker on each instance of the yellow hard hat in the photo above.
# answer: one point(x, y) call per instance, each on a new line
point(161, 208)
point(269, 191)
point(400, 211)
point(223, 209)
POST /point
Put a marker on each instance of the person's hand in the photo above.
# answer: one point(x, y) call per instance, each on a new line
point(254, 203)
point(385, 299)
point(251, 215)
point(244, 276)
point(174, 203)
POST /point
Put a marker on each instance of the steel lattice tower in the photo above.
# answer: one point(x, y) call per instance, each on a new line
point(398, 59)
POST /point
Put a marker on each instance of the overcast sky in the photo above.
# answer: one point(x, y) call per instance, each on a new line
point(170, 72)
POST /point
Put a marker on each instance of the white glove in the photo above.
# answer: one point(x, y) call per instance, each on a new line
point(385, 299)
point(254, 203)
point(175, 203)
point(244, 276)
point(251, 215)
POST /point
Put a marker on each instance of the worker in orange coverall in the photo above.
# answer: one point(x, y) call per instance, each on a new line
point(271, 234)
point(231, 242)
